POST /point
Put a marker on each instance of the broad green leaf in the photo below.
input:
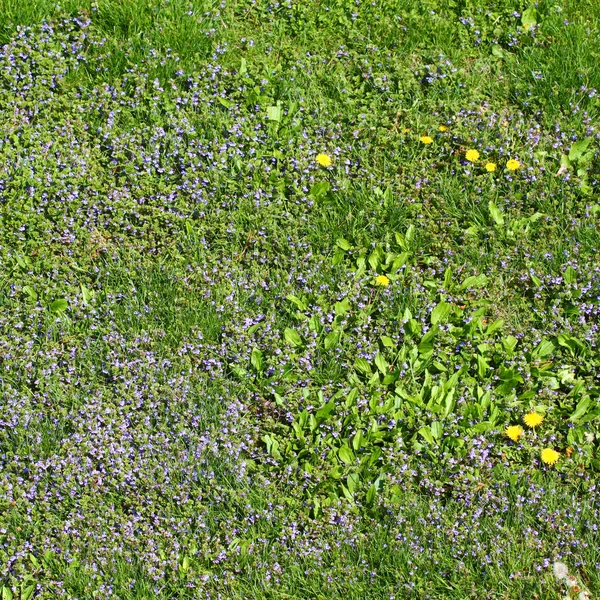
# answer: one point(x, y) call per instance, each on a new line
point(331, 340)
point(495, 213)
point(448, 278)
point(509, 343)
point(349, 496)
point(441, 312)
point(565, 165)
point(23, 261)
point(578, 149)
point(449, 403)
point(544, 348)
point(59, 305)
point(391, 377)
point(529, 18)
point(572, 343)
point(590, 416)
point(425, 433)
point(483, 427)
point(426, 345)
point(570, 275)
point(323, 413)
point(399, 261)
point(387, 341)
point(30, 292)
point(485, 398)
point(381, 363)
point(346, 455)
point(336, 472)
point(370, 498)
point(303, 419)
point(494, 415)
point(437, 430)
point(272, 446)
point(338, 256)
point(86, 294)
point(342, 307)
point(495, 326)
point(581, 409)
point(353, 481)
point(475, 281)
point(292, 337)
point(297, 301)
point(351, 397)
point(274, 113)
point(315, 323)
point(374, 260)
point(498, 51)
point(226, 103)
point(343, 244)
point(185, 563)
point(27, 592)
point(482, 366)
point(257, 360)
point(375, 454)
point(362, 366)
point(319, 189)
point(357, 440)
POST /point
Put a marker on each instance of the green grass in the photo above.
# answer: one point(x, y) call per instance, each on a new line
point(204, 393)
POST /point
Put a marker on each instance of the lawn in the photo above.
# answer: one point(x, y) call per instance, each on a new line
point(300, 300)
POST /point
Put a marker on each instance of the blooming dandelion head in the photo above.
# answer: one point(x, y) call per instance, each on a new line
point(550, 456)
point(490, 167)
point(443, 128)
point(560, 570)
point(324, 160)
point(513, 165)
point(472, 155)
point(532, 419)
point(514, 432)
point(382, 280)
point(425, 139)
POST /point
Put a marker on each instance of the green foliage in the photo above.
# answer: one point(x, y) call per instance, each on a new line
point(229, 371)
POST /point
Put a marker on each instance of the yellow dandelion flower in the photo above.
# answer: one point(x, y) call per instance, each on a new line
point(472, 155)
point(382, 280)
point(443, 128)
point(550, 456)
point(323, 160)
point(426, 139)
point(513, 432)
point(513, 165)
point(490, 167)
point(406, 130)
point(532, 419)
